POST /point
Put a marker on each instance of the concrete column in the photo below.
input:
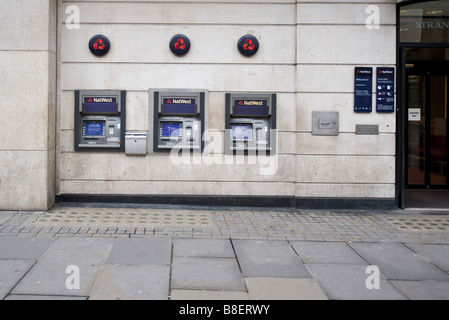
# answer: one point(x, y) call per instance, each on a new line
point(27, 104)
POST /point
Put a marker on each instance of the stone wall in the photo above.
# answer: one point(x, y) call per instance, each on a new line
point(27, 104)
point(308, 51)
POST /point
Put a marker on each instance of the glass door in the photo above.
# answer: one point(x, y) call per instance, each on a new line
point(427, 145)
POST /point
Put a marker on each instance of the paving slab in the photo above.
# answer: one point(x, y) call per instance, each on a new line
point(437, 253)
point(85, 244)
point(397, 262)
point(206, 274)
point(284, 289)
point(326, 252)
point(11, 271)
point(5, 216)
point(22, 248)
point(264, 258)
point(423, 290)
point(178, 294)
point(50, 273)
point(348, 282)
point(131, 282)
point(42, 297)
point(56, 266)
point(154, 251)
point(216, 248)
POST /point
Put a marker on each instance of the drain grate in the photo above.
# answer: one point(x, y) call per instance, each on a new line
point(125, 217)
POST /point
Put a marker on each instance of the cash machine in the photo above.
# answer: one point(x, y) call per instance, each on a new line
point(100, 120)
point(250, 123)
point(179, 119)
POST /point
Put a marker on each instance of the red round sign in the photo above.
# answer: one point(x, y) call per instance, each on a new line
point(248, 45)
point(179, 44)
point(99, 45)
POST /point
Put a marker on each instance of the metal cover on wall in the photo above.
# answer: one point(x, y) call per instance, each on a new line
point(325, 123)
point(179, 44)
point(248, 45)
point(99, 45)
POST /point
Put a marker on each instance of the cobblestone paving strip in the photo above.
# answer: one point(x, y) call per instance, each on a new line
point(305, 225)
point(230, 223)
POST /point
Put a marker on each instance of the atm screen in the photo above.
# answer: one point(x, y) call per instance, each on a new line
point(241, 131)
point(93, 128)
point(171, 129)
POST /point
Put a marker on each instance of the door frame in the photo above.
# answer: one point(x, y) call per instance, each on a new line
point(401, 110)
point(402, 119)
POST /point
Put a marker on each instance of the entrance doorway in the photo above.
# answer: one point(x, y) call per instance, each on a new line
point(422, 113)
point(427, 118)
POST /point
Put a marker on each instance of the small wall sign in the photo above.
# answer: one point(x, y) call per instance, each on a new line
point(99, 45)
point(179, 44)
point(248, 45)
point(414, 114)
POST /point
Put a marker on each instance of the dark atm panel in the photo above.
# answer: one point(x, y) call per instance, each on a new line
point(100, 120)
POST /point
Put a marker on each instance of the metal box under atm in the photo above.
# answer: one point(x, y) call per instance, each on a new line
point(100, 120)
point(250, 123)
point(179, 119)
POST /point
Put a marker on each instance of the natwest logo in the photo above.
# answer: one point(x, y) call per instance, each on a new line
point(99, 100)
point(104, 100)
point(99, 45)
point(251, 103)
point(248, 45)
point(179, 101)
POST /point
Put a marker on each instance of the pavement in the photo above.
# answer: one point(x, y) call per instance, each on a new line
point(111, 252)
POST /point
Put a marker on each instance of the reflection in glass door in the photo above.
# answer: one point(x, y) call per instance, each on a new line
point(438, 130)
point(416, 129)
point(427, 128)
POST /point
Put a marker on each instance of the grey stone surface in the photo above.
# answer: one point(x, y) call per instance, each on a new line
point(43, 297)
point(218, 248)
point(265, 258)
point(11, 271)
point(141, 251)
point(179, 294)
point(284, 289)
point(131, 282)
point(5, 216)
point(423, 290)
point(206, 274)
point(13, 247)
point(83, 244)
point(48, 276)
point(348, 282)
point(397, 262)
point(246, 254)
point(326, 252)
point(50, 273)
point(437, 253)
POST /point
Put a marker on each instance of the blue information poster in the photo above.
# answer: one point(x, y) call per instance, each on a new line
point(385, 90)
point(363, 89)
